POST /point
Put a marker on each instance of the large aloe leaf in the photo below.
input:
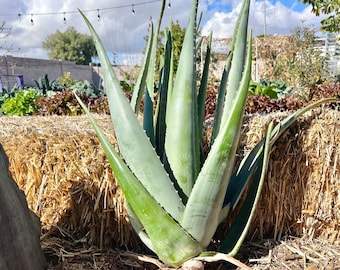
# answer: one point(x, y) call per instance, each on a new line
point(232, 71)
point(172, 244)
point(237, 233)
point(150, 80)
point(202, 92)
point(140, 86)
point(133, 143)
point(206, 200)
point(238, 55)
point(163, 92)
point(181, 141)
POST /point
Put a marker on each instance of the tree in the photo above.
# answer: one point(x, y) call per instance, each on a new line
point(328, 7)
point(70, 45)
point(177, 38)
point(4, 34)
point(178, 34)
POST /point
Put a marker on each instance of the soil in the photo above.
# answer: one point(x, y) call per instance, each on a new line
point(288, 253)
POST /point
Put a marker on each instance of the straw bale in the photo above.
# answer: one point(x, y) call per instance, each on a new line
point(58, 162)
point(300, 194)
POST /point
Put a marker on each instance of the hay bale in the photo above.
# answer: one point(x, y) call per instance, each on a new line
point(300, 195)
point(59, 164)
point(62, 169)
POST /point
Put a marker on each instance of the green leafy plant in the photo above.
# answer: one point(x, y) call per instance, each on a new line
point(43, 84)
point(275, 90)
point(86, 88)
point(175, 197)
point(21, 104)
point(5, 94)
point(260, 89)
point(126, 86)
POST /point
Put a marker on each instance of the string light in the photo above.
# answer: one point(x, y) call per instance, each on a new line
point(20, 15)
point(98, 16)
point(133, 10)
point(169, 5)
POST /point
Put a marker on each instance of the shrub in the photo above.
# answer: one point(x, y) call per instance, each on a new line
point(66, 80)
point(265, 104)
point(296, 61)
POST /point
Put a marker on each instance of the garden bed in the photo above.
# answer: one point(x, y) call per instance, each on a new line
point(58, 162)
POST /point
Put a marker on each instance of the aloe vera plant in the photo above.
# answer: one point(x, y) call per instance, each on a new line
point(175, 197)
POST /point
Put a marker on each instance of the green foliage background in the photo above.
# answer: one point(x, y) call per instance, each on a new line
point(330, 8)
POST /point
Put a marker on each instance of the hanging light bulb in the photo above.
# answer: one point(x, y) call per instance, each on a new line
point(133, 10)
point(98, 16)
point(169, 5)
point(19, 16)
point(64, 18)
point(32, 22)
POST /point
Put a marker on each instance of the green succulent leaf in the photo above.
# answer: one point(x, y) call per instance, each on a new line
point(150, 80)
point(237, 233)
point(202, 92)
point(163, 92)
point(133, 143)
point(238, 48)
point(140, 86)
point(206, 199)
point(220, 100)
point(181, 142)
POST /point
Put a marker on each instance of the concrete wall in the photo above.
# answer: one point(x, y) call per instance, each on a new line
point(33, 69)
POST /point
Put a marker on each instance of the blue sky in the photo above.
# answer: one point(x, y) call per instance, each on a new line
point(298, 6)
point(227, 6)
point(122, 32)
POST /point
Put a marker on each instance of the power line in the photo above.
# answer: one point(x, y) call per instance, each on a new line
point(265, 11)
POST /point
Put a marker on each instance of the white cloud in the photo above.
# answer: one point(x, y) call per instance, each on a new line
point(121, 31)
point(221, 23)
point(279, 19)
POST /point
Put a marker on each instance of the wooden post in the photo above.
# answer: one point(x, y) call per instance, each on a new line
point(19, 227)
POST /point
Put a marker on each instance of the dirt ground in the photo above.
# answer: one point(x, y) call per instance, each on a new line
point(288, 253)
